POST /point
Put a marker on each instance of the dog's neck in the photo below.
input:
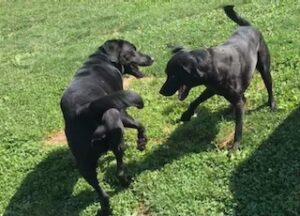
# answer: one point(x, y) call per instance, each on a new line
point(105, 57)
point(207, 67)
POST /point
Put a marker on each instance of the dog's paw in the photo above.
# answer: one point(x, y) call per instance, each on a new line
point(186, 116)
point(141, 143)
point(234, 146)
point(104, 212)
point(104, 204)
point(125, 181)
point(273, 106)
point(123, 178)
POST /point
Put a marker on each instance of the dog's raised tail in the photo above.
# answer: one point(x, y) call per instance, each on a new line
point(175, 48)
point(234, 16)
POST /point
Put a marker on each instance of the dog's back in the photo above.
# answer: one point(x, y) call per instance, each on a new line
point(96, 78)
point(246, 35)
point(239, 54)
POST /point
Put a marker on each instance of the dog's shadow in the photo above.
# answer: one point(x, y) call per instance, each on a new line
point(48, 189)
point(192, 137)
point(268, 182)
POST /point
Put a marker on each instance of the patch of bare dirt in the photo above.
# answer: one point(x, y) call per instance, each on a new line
point(225, 141)
point(142, 210)
point(127, 81)
point(56, 138)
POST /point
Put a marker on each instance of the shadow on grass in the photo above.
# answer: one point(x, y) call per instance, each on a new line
point(192, 137)
point(48, 189)
point(268, 183)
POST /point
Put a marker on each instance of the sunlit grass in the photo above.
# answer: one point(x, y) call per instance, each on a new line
point(183, 170)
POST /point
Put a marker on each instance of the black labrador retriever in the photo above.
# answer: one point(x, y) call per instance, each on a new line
point(94, 109)
point(225, 70)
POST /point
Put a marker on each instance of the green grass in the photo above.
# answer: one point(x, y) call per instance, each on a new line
point(182, 172)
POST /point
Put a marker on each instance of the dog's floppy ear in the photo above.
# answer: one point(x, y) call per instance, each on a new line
point(198, 73)
point(112, 48)
point(175, 48)
point(192, 69)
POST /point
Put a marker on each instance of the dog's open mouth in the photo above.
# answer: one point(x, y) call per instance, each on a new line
point(183, 92)
point(136, 71)
point(133, 70)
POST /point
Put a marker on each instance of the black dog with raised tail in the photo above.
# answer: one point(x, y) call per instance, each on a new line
point(225, 70)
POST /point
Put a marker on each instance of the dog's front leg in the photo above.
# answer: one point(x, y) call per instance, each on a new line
point(129, 122)
point(239, 115)
point(206, 94)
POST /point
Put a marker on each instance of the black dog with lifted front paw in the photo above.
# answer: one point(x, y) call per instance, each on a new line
point(225, 70)
point(94, 109)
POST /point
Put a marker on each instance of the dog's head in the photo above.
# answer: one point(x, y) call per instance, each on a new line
point(183, 73)
point(125, 54)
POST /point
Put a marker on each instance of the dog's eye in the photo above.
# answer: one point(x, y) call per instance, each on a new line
point(132, 53)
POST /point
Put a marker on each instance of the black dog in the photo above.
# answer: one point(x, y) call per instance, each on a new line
point(94, 106)
point(225, 70)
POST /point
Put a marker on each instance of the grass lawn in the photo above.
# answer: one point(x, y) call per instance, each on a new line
point(183, 171)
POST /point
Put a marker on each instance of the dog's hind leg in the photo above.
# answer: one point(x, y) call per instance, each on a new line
point(263, 66)
point(116, 141)
point(207, 93)
point(239, 115)
point(129, 122)
point(88, 171)
point(119, 153)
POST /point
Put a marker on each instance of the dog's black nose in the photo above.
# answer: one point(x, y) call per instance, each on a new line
point(163, 92)
point(150, 60)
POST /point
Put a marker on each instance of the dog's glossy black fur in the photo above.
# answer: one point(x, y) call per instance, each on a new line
point(94, 109)
point(225, 70)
